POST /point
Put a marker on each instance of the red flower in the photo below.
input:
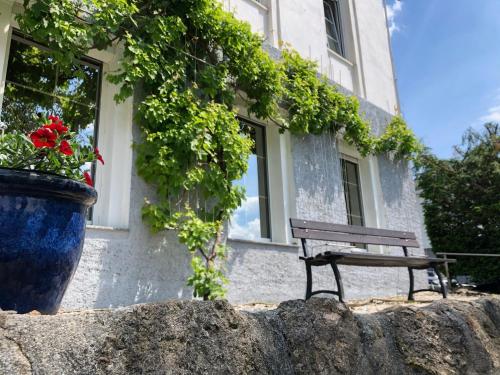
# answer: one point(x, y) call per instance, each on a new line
point(43, 137)
point(65, 148)
point(98, 155)
point(88, 179)
point(56, 124)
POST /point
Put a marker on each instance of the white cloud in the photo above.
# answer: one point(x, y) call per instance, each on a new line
point(492, 113)
point(392, 12)
point(245, 222)
point(251, 230)
point(492, 116)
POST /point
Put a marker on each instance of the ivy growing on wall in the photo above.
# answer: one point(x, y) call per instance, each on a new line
point(191, 61)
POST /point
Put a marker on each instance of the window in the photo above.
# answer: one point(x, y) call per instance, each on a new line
point(352, 191)
point(36, 87)
point(334, 26)
point(251, 220)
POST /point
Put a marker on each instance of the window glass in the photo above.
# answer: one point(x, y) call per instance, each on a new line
point(251, 220)
point(36, 87)
point(334, 26)
point(352, 191)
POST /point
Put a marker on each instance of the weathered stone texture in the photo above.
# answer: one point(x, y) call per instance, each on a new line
point(320, 336)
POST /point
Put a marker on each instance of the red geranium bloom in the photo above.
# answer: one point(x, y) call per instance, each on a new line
point(88, 178)
point(65, 148)
point(43, 137)
point(56, 124)
point(98, 155)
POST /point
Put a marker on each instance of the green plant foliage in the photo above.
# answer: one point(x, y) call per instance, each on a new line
point(399, 140)
point(191, 60)
point(462, 202)
point(314, 106)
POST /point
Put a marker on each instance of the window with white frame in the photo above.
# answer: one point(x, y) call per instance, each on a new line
point(251, 220)
point(333, 23)
point(352, 192)
point(35, 87)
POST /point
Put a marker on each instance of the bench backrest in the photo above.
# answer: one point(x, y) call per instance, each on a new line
point(316, 230)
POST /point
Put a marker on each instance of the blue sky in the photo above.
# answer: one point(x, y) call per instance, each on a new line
point(447, 58)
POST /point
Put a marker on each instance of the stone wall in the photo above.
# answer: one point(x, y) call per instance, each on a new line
point(320, 336)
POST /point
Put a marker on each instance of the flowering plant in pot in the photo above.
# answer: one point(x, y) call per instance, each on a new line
point(45, 193)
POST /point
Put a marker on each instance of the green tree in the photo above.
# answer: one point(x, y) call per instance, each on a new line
point(462, 201)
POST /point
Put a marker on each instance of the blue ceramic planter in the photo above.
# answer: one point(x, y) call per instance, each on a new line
point(42, 228)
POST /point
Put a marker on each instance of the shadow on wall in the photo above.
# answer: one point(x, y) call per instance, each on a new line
point(143, 267)
point(264, 272)
point(393, 176)
point(120, 268)
point(318, 178)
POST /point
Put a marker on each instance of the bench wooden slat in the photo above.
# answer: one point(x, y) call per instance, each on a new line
point(315, 230)
point(329, 227)
point(352, 238)
point(375, 260)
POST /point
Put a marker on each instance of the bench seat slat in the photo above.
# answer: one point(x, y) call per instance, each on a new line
point(352, 238)
point(375, 260)
point(353, 229)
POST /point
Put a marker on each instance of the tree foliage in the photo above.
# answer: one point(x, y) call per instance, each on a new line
point(192, 61)
point(462, 201)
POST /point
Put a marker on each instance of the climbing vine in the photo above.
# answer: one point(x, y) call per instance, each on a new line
point(188, 62)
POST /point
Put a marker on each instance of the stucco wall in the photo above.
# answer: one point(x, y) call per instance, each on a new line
point(366, 69)
point(133, 266)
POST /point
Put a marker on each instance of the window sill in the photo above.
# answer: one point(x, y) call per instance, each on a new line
point(259, 4)
point(263, 242)
point(104, 228)
point(332, 53)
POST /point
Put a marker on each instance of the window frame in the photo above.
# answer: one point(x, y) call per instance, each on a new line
point(260, 174)
point(334, 24)
point(359, 189)
point(23, 38)
point(114, 180)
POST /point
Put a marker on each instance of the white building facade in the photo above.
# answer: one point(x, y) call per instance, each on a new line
point(310, 177)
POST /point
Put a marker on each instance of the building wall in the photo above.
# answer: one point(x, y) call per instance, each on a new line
point(121, 267)
point(130, 265)
point(366, 70)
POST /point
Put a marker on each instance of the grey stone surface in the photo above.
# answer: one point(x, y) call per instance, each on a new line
point(320, 336)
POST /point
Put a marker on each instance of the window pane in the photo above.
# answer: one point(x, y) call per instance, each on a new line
point(251, 220)
point(31, 66)
point(22, 108)
point(351, 173)
point(36, 87)
point(354, 200)
point(333, 26)
point(79, 84)
point(356, 221)
point(81, 118)
point(264, 214)
point(352, 191)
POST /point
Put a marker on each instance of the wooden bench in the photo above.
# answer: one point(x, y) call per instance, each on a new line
point(321, 231)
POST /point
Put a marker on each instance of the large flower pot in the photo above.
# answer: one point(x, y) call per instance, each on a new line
point(42, 229)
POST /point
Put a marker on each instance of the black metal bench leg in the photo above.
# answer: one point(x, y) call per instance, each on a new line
point(338, 279)
point(444, 292)
point(309, 281)
point(412, 285)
